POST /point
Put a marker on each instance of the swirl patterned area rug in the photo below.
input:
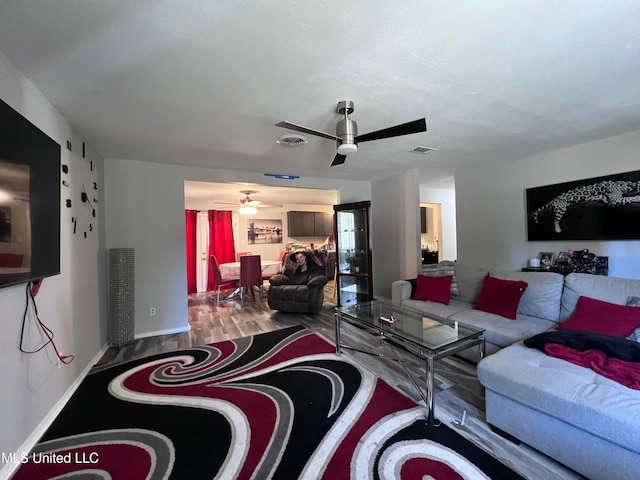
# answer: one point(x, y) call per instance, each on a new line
point(278, 405)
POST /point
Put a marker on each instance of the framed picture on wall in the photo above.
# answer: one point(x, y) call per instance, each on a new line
point(599, 208)
point(261, 231)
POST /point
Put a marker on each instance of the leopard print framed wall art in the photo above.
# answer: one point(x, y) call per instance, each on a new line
point(600, 208)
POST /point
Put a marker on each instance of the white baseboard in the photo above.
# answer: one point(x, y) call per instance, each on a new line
point(9, 469)
point(169, 331)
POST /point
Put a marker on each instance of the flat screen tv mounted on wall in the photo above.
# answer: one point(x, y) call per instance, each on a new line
point(29, 200)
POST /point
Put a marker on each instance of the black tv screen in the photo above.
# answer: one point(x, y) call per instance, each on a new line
point(29, 200)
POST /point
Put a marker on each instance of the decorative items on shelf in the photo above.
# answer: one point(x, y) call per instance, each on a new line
point(584, 261)
point(354, 263)
point(563, 262)
point(546, 259)
point(578, 261)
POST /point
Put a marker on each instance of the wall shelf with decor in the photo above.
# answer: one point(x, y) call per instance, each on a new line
point(354, 274)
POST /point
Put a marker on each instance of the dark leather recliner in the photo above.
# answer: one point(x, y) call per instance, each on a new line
point(301, 292)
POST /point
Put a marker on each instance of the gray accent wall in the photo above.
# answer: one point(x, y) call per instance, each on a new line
point(490, 203)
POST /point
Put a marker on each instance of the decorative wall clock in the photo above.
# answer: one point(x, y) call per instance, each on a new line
point(83, 193)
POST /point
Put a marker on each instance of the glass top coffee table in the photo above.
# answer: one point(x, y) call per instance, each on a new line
point(426, 336)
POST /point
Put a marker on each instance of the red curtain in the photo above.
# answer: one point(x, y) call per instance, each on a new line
point(191, 219)
point(220, 240)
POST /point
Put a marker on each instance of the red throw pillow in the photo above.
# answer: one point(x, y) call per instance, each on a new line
point(436, 289)
point(500, 296)
point(596, 316)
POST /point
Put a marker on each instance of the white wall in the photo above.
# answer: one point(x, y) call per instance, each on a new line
point(395, 227)
point(145, 210)
point(69, 303)
point(490, 199)
point(448, 249)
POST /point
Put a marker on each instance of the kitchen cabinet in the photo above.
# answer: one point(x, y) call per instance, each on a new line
point(309, 224)
point(354, 274)
point(323, 224)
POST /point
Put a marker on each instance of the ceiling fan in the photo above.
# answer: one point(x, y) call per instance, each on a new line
point(247, 201)
point(249, 206)
point(347, 137)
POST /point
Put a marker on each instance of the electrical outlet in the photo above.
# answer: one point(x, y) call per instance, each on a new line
point(152, 311)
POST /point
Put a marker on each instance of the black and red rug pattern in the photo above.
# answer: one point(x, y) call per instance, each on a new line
point(279, 405)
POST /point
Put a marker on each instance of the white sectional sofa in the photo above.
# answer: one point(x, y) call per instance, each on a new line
point(584, 420)
point(571, 413)
point(538, 310)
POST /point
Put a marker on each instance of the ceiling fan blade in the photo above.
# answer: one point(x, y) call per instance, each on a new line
point(310, 131)
point(339, 160)
point(416, 126)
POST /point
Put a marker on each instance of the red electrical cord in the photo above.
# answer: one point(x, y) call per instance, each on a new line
point(31, 291)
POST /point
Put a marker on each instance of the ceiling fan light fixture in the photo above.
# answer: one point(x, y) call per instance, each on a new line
point(248, 206)
point(347, 148)
point(291, 140)
point(245, 210)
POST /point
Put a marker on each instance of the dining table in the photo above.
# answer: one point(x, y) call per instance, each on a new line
point(231, 270)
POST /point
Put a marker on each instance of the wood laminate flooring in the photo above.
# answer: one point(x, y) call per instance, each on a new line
point(457, 388)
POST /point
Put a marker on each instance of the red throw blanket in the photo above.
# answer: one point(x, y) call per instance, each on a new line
point(625, 373)
point(615, 358)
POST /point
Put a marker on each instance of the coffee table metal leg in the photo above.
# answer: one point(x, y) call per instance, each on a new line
point(338, 341)
point(431, 418)
point(482, 348)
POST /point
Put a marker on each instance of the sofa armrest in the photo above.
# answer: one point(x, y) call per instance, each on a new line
point(279, 279)
point(317, 281)
point(400, 291)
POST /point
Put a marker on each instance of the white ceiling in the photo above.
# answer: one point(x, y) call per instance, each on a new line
point(203, 82)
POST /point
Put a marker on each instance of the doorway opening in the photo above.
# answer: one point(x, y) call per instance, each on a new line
point(431, 232)
point(275, 203)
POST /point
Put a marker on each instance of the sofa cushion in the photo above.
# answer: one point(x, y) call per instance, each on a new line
point(438, 309)
point(443, 269)
point(469, 281)
point(500, 330)
point(607, 289)
point(436, 289)
point(596, 316)
point(568, 392)
point(500, 296)
point(542, 296)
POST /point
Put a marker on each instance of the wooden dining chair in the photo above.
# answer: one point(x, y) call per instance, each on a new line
point(280, 258)
point(250, 274)
point(219, 282)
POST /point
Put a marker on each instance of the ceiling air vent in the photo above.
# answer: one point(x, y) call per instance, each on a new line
point(291, 140)
point(423, 150)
